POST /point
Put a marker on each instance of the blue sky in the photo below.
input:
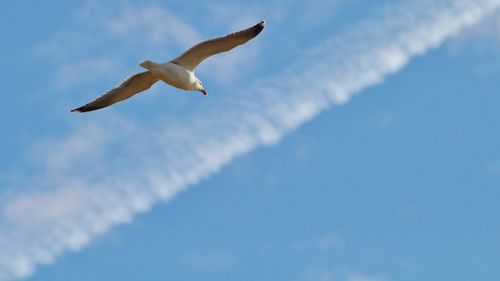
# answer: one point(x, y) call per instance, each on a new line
point(350, 141)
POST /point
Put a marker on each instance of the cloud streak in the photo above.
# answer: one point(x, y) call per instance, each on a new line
point(80, 195)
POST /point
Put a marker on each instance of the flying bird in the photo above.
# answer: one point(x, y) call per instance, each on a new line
point(179, 72)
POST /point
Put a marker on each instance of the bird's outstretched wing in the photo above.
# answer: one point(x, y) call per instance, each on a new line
point(131, 86)
point(191, 58)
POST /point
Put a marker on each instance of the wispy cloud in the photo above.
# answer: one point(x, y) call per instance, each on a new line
point(77, 73)
point(158, 26)
point(147, 165)
point(483, 37)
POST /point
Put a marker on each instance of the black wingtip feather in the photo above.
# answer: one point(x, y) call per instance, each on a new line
point(86, 108)
point(259, 27)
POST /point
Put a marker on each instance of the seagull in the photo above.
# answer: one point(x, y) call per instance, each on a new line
point(178, 73)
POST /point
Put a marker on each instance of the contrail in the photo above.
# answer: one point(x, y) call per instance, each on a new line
point(79, 195)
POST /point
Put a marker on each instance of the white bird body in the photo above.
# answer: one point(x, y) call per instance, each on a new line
point(172, 74)
point(178, 73)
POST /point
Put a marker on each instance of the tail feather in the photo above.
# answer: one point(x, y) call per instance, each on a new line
point(148, 64)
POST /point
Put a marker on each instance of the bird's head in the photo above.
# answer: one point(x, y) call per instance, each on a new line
point(199, 87)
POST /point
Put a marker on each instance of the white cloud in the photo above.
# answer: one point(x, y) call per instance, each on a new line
point(146, 165)
point(155, 24)
point(483, 37)
point(74, 74)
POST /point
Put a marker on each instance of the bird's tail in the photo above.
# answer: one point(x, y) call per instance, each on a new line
point(148, 64)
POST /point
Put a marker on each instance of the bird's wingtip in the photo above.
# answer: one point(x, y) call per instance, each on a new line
point(77, 110)
point(258, 27)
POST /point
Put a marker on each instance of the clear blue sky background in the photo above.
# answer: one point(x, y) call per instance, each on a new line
point(401, 183)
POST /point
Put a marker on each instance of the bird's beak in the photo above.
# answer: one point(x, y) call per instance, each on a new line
point(204, 92)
